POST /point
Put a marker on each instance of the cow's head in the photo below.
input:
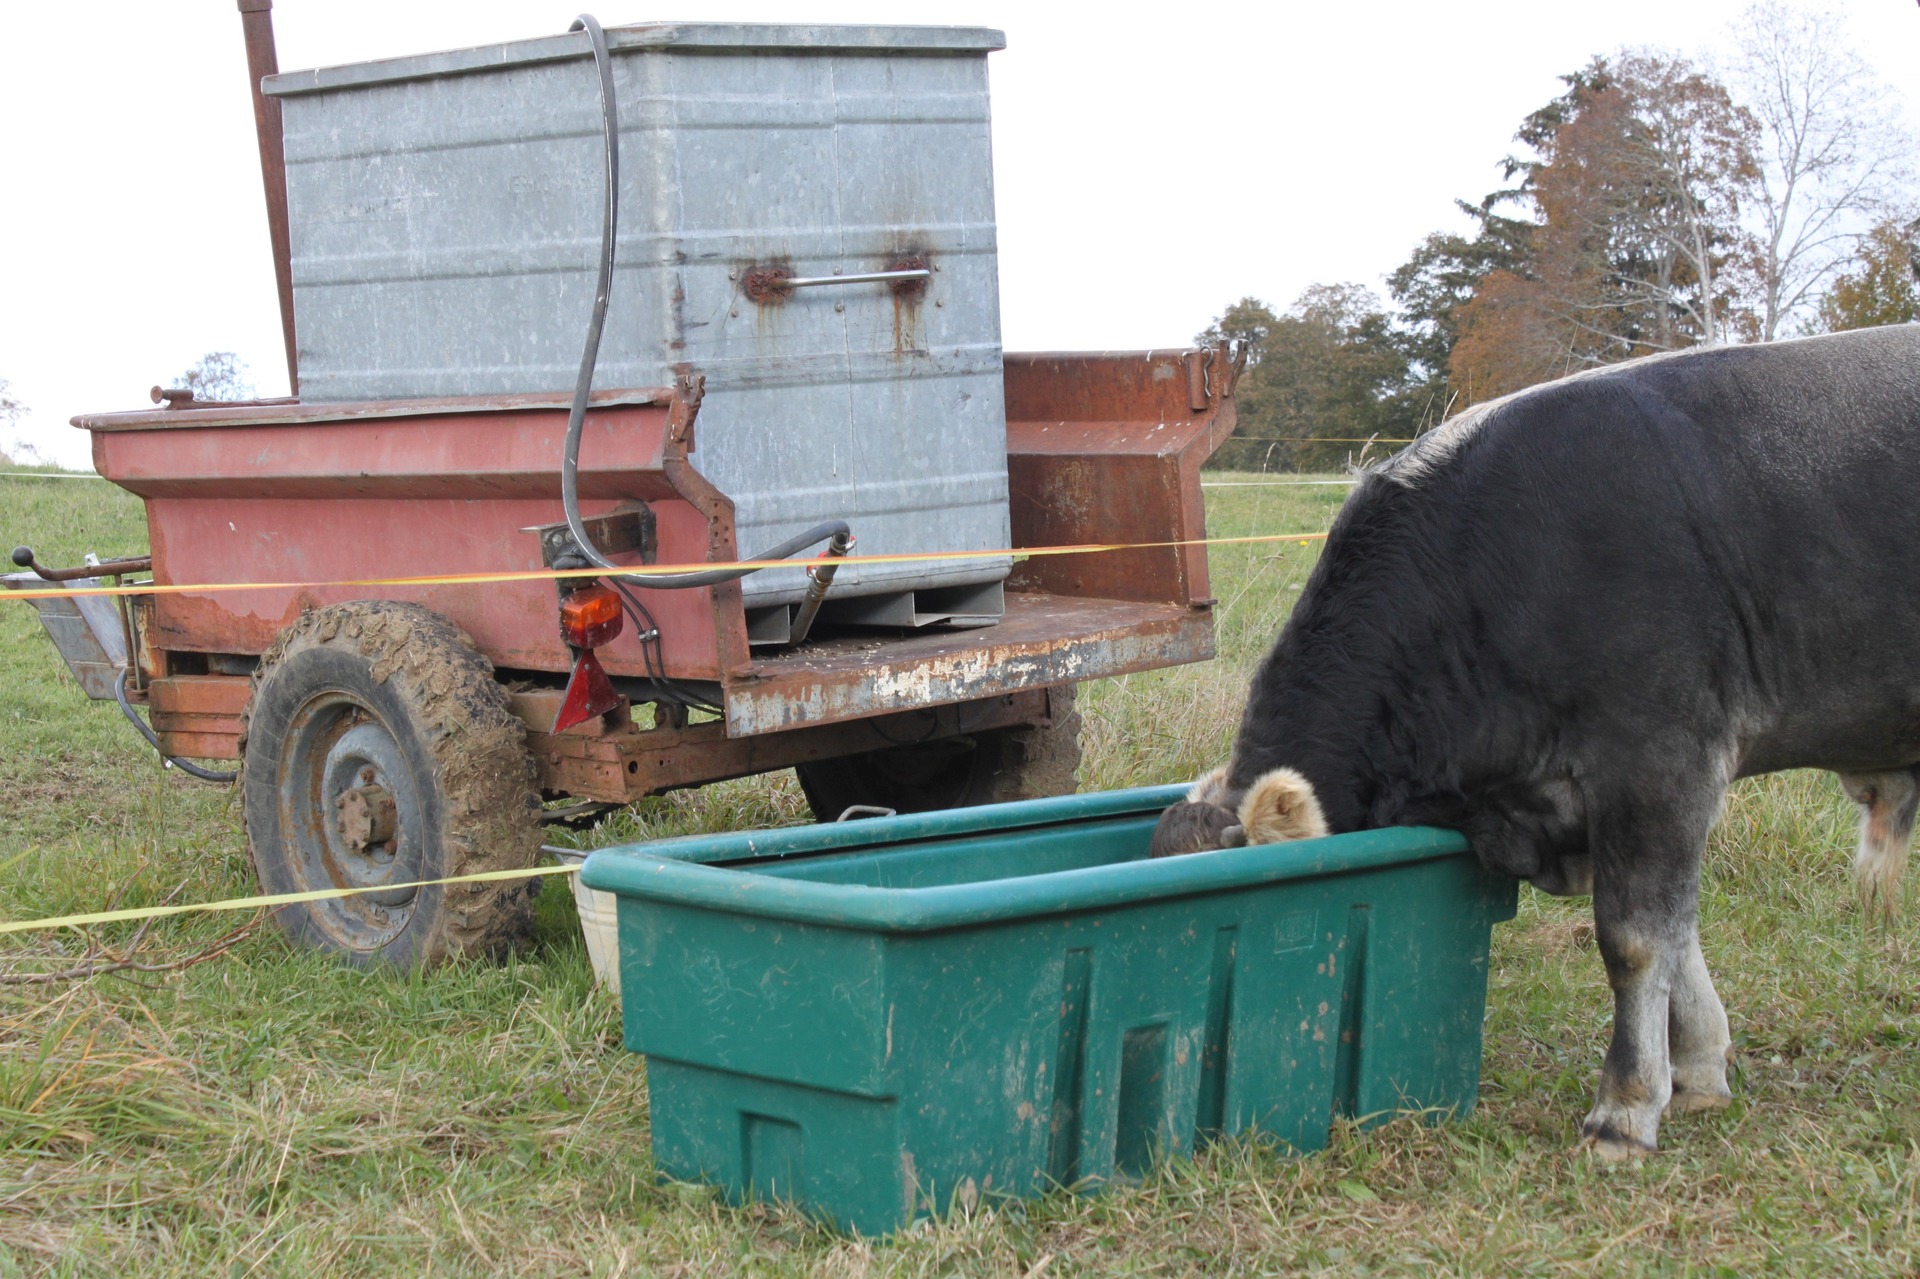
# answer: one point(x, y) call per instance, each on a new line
point(1280, 805)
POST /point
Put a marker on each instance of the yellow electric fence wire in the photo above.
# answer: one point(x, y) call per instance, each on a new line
point(328, 894)
point(272, 899)
point(1317, 439)
point(551, 574)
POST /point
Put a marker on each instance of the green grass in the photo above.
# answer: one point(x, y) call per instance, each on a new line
point(267, 1112)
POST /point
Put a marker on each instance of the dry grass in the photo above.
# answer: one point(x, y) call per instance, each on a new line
point(269, 1113)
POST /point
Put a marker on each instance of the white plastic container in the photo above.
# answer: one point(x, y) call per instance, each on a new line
point(599, 925)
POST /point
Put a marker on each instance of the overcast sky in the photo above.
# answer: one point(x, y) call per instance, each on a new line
point(1153, 163)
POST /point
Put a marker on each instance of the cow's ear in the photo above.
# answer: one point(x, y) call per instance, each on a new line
point(1279, 806)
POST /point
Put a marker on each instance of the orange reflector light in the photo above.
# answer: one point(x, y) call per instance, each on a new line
point(590, 616)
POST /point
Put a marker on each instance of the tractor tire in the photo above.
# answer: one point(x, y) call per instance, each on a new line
point(994, 767)
point(377, 748)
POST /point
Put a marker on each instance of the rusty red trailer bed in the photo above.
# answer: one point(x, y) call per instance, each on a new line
point(389, 746)
point(1101, 449)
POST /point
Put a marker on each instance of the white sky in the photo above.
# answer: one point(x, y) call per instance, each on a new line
point(1152, 163)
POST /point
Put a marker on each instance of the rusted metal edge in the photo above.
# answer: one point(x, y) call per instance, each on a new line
point(1137, 353)
point(1133, 437)
point(1123, 638)
point(622, 763)
point(725, 599)
point(295, 414)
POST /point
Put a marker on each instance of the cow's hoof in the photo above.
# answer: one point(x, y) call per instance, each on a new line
point(1690, 1102)
point(1609, 1148)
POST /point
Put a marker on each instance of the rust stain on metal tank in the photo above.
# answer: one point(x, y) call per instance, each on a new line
point(907, 295)
point(766, 284)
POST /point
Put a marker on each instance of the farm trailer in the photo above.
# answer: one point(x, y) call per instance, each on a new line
point(395, 723)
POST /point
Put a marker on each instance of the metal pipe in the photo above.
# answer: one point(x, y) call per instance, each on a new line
point(819, 578)
point(865, 277)
point(23, 556)
point(256, 18)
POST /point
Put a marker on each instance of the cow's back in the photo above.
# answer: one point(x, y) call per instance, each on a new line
point(1717, 540)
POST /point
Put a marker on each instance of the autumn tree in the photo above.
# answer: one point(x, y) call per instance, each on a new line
point(1691, 150)
point(1831, 158)
point(1880, 285)
point(1634, 191)
point(1430, 288)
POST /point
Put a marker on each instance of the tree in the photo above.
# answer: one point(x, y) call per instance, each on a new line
point(1882, 283)
point(1248, 321)
point(1635, 190)
point(1330, 368)
point(1832, 154)
point(1431, 287)
point(217, 375)
point(1691, 150)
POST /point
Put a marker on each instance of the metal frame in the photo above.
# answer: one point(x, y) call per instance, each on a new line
point(1102, 448)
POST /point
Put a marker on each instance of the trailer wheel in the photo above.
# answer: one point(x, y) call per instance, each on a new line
point(956, 772)
point(377, 748)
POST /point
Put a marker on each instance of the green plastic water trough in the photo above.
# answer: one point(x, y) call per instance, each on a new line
point(869, 1018)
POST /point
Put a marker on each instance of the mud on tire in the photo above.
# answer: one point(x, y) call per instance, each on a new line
point(993, 767)
point(377, 748)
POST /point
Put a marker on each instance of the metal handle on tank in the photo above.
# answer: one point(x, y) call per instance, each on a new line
point(865, 277)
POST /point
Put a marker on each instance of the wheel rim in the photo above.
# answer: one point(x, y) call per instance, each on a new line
point(351, 817)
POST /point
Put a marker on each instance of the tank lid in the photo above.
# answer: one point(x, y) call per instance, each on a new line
point(700, 37)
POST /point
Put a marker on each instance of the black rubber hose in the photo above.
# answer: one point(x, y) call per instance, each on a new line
point(590, 355)
point(172, 761)
point(609, 231)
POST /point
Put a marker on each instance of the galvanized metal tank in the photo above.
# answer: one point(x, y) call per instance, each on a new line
point(445, 219)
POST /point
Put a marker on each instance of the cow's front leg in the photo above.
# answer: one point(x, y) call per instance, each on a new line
point(1635, 1080)
point(1646, 895)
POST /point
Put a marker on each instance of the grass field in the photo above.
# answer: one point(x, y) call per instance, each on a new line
point(266, 1112)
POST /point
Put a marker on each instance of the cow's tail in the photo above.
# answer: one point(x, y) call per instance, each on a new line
point(1887, 805)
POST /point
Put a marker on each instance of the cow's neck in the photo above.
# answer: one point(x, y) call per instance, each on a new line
point(1353, 695)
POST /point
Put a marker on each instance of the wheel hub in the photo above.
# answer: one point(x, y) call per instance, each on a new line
point(354, 809)
point(366, 815)
point(369, 842)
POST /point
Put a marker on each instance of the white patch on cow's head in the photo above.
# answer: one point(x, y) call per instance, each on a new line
point(1279, 806)
point(1211, 789)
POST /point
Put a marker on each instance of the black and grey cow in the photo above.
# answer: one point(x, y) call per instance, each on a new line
point(1567, 620)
